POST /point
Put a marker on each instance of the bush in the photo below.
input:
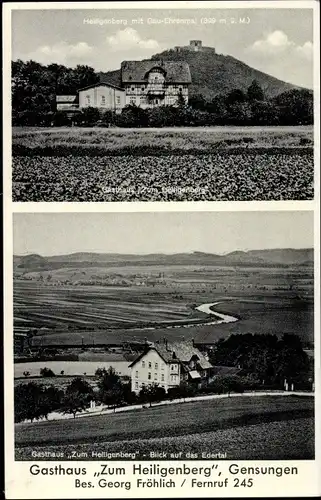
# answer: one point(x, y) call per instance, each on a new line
point(46, 372)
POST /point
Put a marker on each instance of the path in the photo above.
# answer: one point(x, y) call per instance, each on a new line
point(107, 411)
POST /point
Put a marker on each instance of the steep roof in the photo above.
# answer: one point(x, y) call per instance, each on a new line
point(136, 71)
point(183, 351)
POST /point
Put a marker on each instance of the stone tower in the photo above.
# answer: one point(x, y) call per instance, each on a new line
point(195, 45)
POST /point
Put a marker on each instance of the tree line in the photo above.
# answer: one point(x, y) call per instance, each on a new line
point(267, 358)
point(35, 86)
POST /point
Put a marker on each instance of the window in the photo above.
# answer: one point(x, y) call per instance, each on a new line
point(163, 366)
point(156, 366)
point(149, 376)
point(173, 367)
point(180, 89)
point(132, 100)
point(162, 379)
point(149, 364)
point(136, 385)
point(142, 88)
point(155, 376)
point(103, 100)
point(88, 99)
point(117, 99)
point(132, 89)
point(136, 374)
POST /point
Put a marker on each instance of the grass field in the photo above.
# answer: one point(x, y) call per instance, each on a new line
point(265, 300)
point(218, 163)
point(245, 427)
point(97, 141)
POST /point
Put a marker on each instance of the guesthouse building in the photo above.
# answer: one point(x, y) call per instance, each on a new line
point(155, 83)
point(102, 95)
point(170, 364)
point(146, 84)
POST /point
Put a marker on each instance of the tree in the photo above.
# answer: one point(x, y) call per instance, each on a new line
point(78, 385)
point(50, 400)
point(26, 402)
point(90, 116)
point(181, 100)
point(198, 102)
point(295, 107)
point(132, 116)
point(46, 372)
point(255, 92)
point(264, 113)
point(183, 390)
point(77, 397)
point(110, 388)
point(265, 357)
point(73, 403)
point(235, 96)
point(34, 401)
point(151, 393)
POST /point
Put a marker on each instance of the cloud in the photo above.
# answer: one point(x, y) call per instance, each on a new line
point(305, 51)
point(279, 56)
point(276, 43)
point(272, 43)
point(129, 39)
point(62, 53)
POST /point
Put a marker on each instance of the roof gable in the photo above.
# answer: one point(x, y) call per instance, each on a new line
point(137, 71)
point(184, 352)
point(144, 353)
point(101, 84)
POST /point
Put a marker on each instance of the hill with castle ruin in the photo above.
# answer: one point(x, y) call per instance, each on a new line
point(212, 73)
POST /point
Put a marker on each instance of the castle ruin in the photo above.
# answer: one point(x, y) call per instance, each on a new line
point(194, 46)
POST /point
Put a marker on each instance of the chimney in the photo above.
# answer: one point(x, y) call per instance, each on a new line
point(193, 343)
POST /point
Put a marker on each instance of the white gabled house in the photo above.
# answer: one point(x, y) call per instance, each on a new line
point(169, 364)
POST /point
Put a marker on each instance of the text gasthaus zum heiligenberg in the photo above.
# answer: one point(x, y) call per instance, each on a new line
point(164, 476)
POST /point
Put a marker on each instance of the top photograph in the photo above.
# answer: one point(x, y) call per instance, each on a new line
point(162, 104)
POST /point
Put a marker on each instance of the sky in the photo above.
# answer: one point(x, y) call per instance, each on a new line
point(160, 232)
point(276, 41)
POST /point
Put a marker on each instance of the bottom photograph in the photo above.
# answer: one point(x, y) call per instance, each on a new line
point(163, 335)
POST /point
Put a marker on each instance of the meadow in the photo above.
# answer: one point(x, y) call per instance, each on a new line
point(66, 309)
point(175, 164)
point(70, 368)
point(266, 427)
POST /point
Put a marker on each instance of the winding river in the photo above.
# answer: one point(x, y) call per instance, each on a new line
point(222, 318)
point(204, 308)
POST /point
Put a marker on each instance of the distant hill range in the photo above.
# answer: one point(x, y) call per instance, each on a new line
point(213, 73)
point(252, 258)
